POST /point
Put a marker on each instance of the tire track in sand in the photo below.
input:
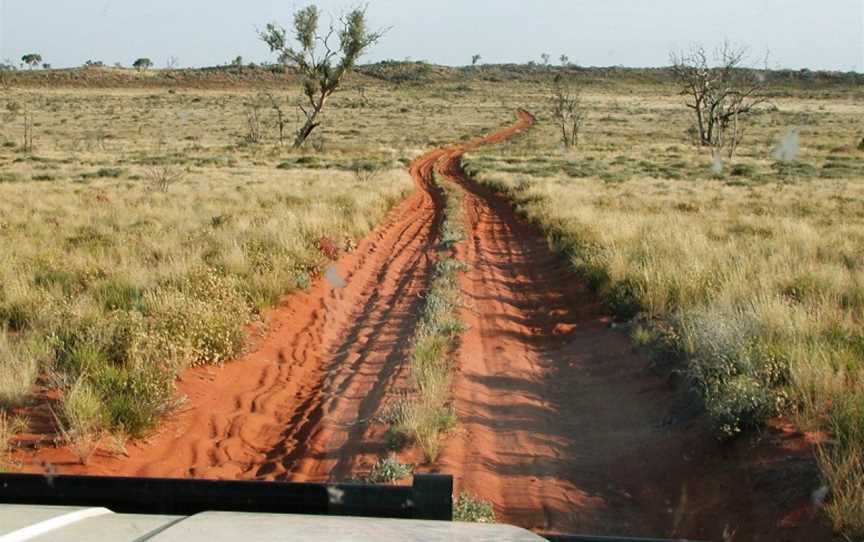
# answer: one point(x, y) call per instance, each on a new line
point(298, 407)
point(564, 427)
point(561, 425)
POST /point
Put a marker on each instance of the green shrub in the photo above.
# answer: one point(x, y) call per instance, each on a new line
point(806, 288)
point(469, 508)
point(82, 413)
point(10, 177)
point(117, 294)
point(18, 370)
point(389, 470)
point(133, 398)
point(16, 315)
point(742, 378)
point(104, 173)
point(743, 170)
point(622, 298)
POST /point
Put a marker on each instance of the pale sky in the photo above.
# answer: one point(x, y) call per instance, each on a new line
point(815, 34)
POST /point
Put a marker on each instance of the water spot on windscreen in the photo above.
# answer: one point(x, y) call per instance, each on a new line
point(333, 277)
point(335, 494)
point(49, 472)
point(717, 164)
point(820, 495)
point(788, 147)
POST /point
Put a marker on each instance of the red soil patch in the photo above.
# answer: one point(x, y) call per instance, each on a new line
point(561, 424)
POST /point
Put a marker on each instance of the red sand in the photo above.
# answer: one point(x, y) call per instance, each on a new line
point(561, 423)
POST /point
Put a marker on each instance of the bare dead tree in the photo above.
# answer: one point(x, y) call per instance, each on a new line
point(320, 62)
point(721, 91)
point(364, 99)
point(163, 177)
point(253, 123)
point(567, 110)
point(365, 172)
point(280, 120)
point(28, 130)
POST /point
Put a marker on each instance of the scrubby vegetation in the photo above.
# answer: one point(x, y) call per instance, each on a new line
point(141, 229)
point(747, 281)
point(388, 470)
point(745, 278)
point(423, 417)
point(110, 287)
point(473, 510)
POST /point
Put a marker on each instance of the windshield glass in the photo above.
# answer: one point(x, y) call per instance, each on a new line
point(600, 262)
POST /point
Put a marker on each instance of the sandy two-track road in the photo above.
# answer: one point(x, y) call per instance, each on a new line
point(561, 424)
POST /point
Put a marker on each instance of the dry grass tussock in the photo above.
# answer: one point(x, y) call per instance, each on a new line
point(425, 416)
point(749, 277)
point(116, 296)
point(751, 280)
point(144, 228)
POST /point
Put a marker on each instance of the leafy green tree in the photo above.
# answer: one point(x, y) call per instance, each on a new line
point(142, 64)
point(32, 59)
point(321, 63)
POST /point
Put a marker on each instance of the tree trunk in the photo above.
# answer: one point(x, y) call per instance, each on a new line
point(311, 119)
point(306, 130)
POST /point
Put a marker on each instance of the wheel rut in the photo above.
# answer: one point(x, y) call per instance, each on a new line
point(299, 407)
point(561, 424)
point(564, 426)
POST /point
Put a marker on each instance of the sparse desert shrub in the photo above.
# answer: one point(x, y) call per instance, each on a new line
point(469, 508)
point(389, 470)
point(164, 177)
point(567, 110)
point(425, 417)
point(753, 298)
point(10, 426)
point(720, 93)
point(81, 420)
point(18, 371)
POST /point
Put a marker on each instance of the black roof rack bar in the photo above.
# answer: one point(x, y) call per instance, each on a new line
point(430, 496)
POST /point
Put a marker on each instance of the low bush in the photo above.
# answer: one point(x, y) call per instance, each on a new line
point(424, 418)
point(469, 508)
point(754, 298)
point(388, 470)
point(111, 301)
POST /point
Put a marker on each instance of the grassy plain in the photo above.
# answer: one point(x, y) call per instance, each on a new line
point(748, 281)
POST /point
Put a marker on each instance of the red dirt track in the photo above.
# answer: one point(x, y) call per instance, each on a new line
point(561, 424)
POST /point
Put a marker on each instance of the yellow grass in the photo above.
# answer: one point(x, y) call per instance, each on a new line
point(752, 280)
